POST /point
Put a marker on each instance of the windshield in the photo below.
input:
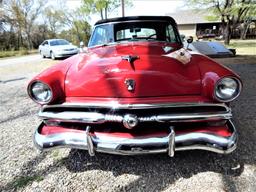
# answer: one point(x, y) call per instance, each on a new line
point(59, 42)
point(134, 31)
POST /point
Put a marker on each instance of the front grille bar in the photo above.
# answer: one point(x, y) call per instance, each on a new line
point(99, 118)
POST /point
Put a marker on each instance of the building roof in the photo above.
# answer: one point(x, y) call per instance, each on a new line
point(120, 19)
point(191, 17)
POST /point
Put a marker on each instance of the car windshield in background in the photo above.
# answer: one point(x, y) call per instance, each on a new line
point(134, 31)
point(59, 42)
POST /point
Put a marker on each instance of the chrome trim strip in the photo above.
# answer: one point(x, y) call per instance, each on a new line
point(99, 118)
point(140, 145)
point(116, 105)
point(193, 117)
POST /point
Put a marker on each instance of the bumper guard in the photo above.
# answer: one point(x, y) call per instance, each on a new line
point(139, 145)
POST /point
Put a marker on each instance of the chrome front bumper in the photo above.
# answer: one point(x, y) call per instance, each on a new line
point(138, 145)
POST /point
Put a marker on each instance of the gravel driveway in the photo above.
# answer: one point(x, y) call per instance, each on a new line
point(22, 168)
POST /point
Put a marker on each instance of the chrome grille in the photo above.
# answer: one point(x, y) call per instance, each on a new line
point(169, 112)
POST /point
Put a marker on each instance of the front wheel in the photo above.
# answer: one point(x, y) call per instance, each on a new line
point(52, 56)
point(42, 55)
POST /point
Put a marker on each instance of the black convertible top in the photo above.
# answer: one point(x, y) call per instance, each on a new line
point(131, 18)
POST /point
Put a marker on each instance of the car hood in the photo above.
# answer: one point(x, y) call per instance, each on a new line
point(104, 72)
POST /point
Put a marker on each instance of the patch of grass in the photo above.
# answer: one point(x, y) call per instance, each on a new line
point(244, 47)
point(56, 154)
point(23, 181)
point(16, 53)
point(26, 68)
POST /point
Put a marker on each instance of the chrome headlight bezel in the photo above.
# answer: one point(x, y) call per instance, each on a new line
point(44, 87)
point(234, 95)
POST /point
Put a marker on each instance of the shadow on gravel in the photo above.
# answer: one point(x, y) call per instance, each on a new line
point(28, 173)
point(159, 171)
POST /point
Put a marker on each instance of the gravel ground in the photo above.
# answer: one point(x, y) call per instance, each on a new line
point(22, 168)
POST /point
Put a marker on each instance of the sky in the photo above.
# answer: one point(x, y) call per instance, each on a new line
point(140, 7)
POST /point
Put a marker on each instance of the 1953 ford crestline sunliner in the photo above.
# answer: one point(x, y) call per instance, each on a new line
point(136, 90)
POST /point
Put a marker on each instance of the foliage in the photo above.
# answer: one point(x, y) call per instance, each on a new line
point(12, 53)
point(231, 12)
point(54, 19)
point(102, 7)
point(22, 181)
point(27, 23)
point(78, 26)
point(21, 16)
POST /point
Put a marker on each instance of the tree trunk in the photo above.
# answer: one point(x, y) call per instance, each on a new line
point(29, 39)
point(227, 33)
point(244, 29)
point(106, 13)
point(101, 14)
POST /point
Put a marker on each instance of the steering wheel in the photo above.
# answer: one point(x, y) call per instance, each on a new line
point(150, 36)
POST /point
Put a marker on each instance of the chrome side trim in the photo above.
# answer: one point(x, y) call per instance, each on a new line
point(140, 145)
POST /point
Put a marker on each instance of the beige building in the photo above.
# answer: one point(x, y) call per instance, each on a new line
point(195, 23)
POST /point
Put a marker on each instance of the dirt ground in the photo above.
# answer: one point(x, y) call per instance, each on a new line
point(238, 59)
point(22, 168)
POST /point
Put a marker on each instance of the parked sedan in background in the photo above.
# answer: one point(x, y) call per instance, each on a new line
point(57, 48)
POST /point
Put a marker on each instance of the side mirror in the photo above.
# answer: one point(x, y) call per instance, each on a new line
point(189, 39)
point(81, 44)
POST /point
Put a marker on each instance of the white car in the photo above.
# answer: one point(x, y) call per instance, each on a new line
point(57, 48)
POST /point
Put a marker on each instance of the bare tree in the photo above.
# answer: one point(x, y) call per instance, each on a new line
point(22, 15)
point(55, 19)
point(103, 7)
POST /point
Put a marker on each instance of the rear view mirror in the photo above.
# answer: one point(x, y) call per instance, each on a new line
point(135, 30)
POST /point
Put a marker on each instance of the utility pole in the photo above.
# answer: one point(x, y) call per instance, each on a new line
point(122, 2)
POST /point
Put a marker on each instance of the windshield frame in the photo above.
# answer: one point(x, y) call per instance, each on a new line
point(173, 24)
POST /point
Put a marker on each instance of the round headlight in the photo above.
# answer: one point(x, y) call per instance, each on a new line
point(41, 92)
point(227, 89)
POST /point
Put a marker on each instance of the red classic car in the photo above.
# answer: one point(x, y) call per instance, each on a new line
point(136, 90)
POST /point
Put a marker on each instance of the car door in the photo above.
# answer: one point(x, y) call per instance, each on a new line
point(42, 48)
point(46, 49)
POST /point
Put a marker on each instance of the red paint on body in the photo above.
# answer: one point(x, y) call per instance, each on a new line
point(222, 131)
point(102, 73)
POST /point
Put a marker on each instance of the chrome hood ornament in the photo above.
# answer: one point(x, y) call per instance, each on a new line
point(130, 84)
point(130, 58)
